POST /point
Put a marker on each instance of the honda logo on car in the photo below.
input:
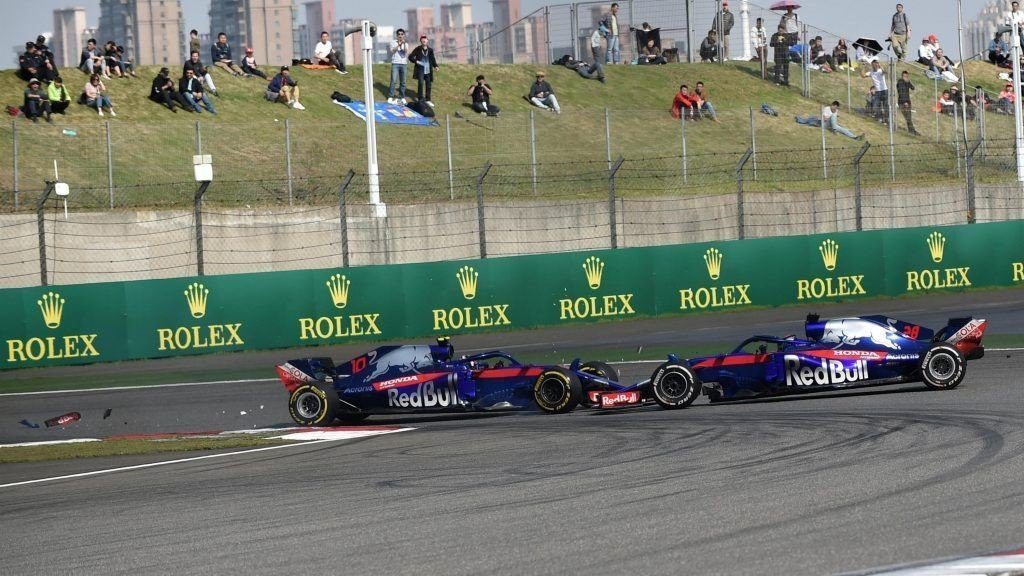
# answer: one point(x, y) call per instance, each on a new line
point(830, 372)
point(426, 395)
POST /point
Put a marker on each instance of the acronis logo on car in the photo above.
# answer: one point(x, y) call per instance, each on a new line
point(425, 395)
point(828, 373)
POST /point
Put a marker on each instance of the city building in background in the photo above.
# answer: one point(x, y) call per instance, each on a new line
point(980, 32)
point(151, 31)
point(267, 26)
point(505, 13)
point(419, 21)
point(319, 17)
point(66, 44)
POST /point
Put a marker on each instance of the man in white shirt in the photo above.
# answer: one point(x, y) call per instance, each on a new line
point(925, 52)
point(324, 53)
point(1016, 16)
point(877, 75)
point(399, 54)
point(830, 118)
point(759, 41)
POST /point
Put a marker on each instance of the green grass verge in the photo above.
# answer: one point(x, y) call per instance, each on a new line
point(127, 447)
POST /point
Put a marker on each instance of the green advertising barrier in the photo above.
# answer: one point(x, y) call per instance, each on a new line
point(77, 324)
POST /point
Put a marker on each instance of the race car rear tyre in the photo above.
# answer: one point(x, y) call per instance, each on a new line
point(314, 404)
point(557, 391)
point(674, 386)
point(598, 369)
point(942, 367)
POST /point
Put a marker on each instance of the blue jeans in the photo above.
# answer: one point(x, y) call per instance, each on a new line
point(707, 107)
point(397, 75)
point(833, 125)
point(612, 56)
point(98, 103)
point(194, 103)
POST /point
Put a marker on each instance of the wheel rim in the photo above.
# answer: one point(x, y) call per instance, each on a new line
point(675, 386)
point(308, 405)
point(941, 366)
point(552, 391)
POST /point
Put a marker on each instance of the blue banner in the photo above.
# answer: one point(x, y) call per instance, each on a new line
point(388, 113)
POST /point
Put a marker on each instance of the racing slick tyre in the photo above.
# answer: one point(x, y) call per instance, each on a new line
point(557, 391)
point(313, 404)
point(942, 367)
point(598, 369)
point(674, 386)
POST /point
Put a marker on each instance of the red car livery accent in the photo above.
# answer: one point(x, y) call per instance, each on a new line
point(847, 354)
point(509, 372)
point(615, 399)
point(410, 380)
point(733, 360)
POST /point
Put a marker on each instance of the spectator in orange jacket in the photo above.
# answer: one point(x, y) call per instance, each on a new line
point(684, 103)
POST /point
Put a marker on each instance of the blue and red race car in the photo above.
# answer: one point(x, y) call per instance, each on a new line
point(836, 354)
point(426, 378)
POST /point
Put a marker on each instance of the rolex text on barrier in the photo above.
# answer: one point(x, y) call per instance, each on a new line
point(86, 323)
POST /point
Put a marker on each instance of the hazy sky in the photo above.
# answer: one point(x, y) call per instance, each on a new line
point(25, 18)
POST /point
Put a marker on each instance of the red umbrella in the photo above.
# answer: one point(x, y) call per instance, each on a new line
point(785, 4)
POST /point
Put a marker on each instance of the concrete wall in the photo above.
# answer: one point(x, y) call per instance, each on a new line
point(103, 246)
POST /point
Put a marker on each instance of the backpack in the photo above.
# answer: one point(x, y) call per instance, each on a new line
point(339, 97)
point(420, 107)
point(563, 60)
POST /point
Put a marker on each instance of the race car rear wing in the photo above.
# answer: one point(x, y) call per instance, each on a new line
point(965, 335)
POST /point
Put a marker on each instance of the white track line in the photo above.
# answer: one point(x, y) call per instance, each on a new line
point(50, 442)
point(140, 387)
point(168, 462)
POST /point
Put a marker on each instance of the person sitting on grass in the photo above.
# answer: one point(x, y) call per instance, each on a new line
point(830, 119)
point(36, 104)
point(221, 53)
point(32, 64)
point(163, 92)
point(112, 60)
point(542, 95)
point(589, 71)
point(480, 91)
point(283, 88)
point(651, 54)
point(126, 62)
point(700, 97)
point(96, 95)
point(324, 53)
point(201, 72)
point(191, 88)
point(709, 47)
point(1006, 98)
point(249, 65)
point(92, 61)
point(58, 96)
point(684, 105)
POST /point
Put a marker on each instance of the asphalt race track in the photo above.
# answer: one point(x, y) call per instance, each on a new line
point(809, 485)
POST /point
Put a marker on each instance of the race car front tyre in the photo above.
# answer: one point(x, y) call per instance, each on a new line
point(601, 370)
point(942, 367)
point(557, 391)
point(313, 404)
point(674, 386)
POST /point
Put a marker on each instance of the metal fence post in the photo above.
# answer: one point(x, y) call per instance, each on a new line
point(533, 153)
point(753, 141)
point(199, 138)
point(343, 216)
point(689, 31)
point(824, 150)
point(198, 208)
point(891, 117)
point(956, 139)
point(288, 156)
point(614, 169)
point(480, 208)
point(682, 127)
point(857, 191)
point(547, 35)
point(574, 29)
point(972, 216)
point(982, 120)
point(740, 232)
point(14, 136)
point(608, 137)
point(939, 113)
point(41, 222)
point(110, 165)
point(448, 146)
point(805, 72)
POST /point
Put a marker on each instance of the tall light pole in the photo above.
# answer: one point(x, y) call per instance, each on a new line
point(963, 69)
point(369, 30)
point(1017, 126)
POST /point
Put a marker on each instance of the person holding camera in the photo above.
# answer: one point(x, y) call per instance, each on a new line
point(399, 54)
point(481, 92)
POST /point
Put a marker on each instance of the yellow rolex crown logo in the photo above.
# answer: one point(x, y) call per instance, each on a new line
point(338, 286)
point(936, 245)
point(594, 268)
point(713, 260)
point(829, 253)
point(196, 295)
point(52, 306)
point(467, 281)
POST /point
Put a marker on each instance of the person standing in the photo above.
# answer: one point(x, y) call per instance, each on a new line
point(324, 53)
point(1016, 16)
point(903, 88)
point(899, 32)
point(878, 80)
point(480, 91)
point(780, 43)
point(723, 24)
point(595, 41)
point(422, 57)
point(193, 41)
point(790, 23)
point(399, 54)
point(613, 55)
point(759, 42)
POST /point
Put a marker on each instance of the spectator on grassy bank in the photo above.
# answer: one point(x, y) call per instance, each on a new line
point(399, 54)
point(881, 86)
point(612, 55)
point(35, 103)
point(709, 49)
point(595, 41)
point(997, 51)
point(820, 57)
point(33, 64)
point(162, 92)
point(58, 96)
point(92, 61)
point(1006, 98)
point(781, 43)
point(830, 119)
point(925, 52)
point(422, 57)
point(480, 91)
point(684, 105)
point(283, 88)
point(249, 65)
point(200, 71)
point(944, 104)
point(899, 32)
point(700, 96)
point(903, 89)
point(96, 95)
point(193, 41)
point(221, 55)
point(724, 21)
point(651, 54)
point(324, 53)
point(841, 54)
point(759, 41)
point(943, 67)
point(542, 95)
point(589, 71)
point(790, 24)
point(191, 88)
